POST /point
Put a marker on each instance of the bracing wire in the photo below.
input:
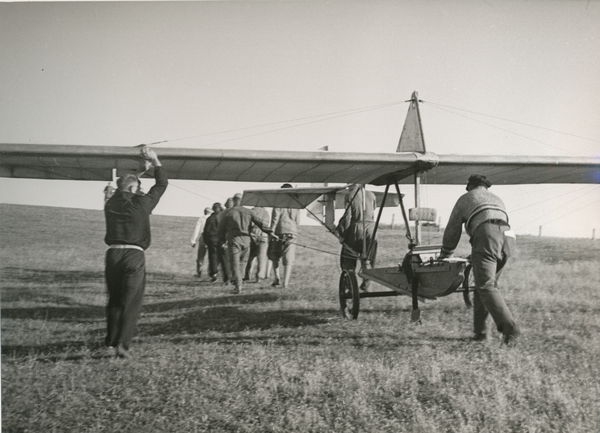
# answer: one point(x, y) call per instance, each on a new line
point(333, 115)
point(337, 114)
point(513, 121)
point(569, 213)
point(562, 204)
point(556, 196)
point(506, 130)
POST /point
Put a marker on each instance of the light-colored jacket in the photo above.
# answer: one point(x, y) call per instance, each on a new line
point(285, 221)
point(350, 226)
point(198, 229)
point(472, 209)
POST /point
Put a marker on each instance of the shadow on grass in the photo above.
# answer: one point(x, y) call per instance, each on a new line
point(79, 312)
point(45, 276)
point(251, 298)
point(62, 314)
point(227, 319)
point(75, 277)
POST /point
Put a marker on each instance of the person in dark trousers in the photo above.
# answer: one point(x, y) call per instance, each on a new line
point(127, 214)
point(492, 242)
point(216, 253)
point(223, 250)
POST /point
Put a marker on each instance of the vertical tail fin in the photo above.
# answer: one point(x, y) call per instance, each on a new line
point(411, 139)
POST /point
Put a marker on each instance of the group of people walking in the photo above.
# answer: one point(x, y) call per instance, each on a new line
point(234, 234)
point(234, 237)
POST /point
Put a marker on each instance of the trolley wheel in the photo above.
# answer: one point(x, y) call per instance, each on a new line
point(468, 285)
point(349, 296)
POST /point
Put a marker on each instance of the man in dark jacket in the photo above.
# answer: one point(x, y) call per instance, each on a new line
point(215, 249)
point(127, 215)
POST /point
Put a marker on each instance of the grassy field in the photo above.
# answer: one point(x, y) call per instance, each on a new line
point(273, 360)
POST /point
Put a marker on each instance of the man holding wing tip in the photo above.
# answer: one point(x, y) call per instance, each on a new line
point(127, 215)
point(486, 222)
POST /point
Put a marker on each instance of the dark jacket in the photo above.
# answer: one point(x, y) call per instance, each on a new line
point(211, 228)
point(128, 214)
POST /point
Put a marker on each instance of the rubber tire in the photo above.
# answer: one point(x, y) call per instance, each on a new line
point(349, 295)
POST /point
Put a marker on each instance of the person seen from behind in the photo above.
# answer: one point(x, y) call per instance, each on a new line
point(492, 243)
point(235, 229)
point(355, 230)
point(127, 214)
point(198, 238)
point(211, 239)
point(284, 224)
point(259, 243)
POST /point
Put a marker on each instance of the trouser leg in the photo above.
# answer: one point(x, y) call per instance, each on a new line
point(480, 314)
point(262, 260)
point(287, 273)
point(226, 264)
point(125, 277)
point(288, 258)
point(372, 255)
point(238, 254)
point(251, 256)
point(489, 256)
point(132, 307)
point(347, 258)
point(213, 261)
point(234, 265)
point(201, 254)
point(113, 306)
point(277, 278)
point(224, 261)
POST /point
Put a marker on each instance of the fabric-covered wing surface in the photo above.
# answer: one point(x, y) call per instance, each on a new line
point(292, 198)
point(513, 170)
point(299, 198)
point(96, 163)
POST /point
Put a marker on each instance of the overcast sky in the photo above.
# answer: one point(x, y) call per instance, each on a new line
point(496, 77)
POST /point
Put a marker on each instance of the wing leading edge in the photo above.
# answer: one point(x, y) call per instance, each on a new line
point(96, 163)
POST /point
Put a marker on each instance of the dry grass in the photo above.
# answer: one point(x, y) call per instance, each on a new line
point(283, 361)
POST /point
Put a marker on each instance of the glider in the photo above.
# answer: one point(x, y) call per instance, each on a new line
point(76, 162)
point(421, 277)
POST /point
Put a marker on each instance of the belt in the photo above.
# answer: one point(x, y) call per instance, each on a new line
point(124, 246)
point(496, 221)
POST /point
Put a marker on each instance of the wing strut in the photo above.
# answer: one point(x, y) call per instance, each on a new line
point(385, 193)
point(330, 228)
point(408, 235)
